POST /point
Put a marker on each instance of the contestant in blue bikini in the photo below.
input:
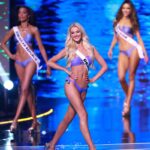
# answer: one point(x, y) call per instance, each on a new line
point(80, 54)
point(25, 64)
point(126, 26)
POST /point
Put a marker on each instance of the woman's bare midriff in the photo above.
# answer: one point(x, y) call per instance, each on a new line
point(21, 54)
point(123, 45)
point(81, 73)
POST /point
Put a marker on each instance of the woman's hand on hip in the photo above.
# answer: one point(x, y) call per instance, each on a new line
point(73, 76)
point(13, 57)
point(67, 71)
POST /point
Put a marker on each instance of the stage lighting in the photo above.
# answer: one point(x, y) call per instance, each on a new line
point(44, 132)
point(8, 84)
point(4, 76)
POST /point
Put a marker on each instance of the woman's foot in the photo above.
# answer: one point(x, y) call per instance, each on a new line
point(49, 146)
point(35, 127)
point(13, 127)
point(92, 147)
point(126, 110)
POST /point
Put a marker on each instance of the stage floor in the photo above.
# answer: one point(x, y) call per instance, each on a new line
point(137, 146)
point(107, 127)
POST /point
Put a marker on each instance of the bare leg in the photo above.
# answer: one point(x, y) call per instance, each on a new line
point(20, 73)
point(70, 114)
point(77, 103)
point(133, 63)
point(123, 64)
point(25, 84)
point(31, 103)
point(68, 118)
point(62, 127)
point(31, 96)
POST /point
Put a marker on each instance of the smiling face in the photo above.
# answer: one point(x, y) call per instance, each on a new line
point(126, 10)
point(23, 14)
point(76, 34)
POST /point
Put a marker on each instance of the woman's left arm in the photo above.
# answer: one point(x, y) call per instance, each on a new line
point(41, 47)
point(142, 45)
point(103, 64)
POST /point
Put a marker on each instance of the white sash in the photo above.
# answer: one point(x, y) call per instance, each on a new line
point(26, 47)
point(130, 40)
point(83, 58)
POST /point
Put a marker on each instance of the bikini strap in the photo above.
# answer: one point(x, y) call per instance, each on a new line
point(83, 58)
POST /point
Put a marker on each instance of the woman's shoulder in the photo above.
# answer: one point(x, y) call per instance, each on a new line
point(92, 47)
point(11, 30)
point(64, 50)
point(33, 28)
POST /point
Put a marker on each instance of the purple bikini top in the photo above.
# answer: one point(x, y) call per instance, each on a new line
point(126, 29)
point(78, 61)
point(28, 39)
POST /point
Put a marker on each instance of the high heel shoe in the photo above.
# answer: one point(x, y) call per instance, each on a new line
point(49, 146)
point(126, 110)
point(13, 127)
point(35, 127)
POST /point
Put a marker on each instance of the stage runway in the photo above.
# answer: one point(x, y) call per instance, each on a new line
point(138, 146)
point(108, 129)
point(104, 102)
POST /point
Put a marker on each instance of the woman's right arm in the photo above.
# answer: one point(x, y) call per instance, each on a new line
point(53, 61)
point(113, 43)
point(8, 35)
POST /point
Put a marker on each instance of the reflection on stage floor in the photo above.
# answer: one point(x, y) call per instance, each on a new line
point(108, 129)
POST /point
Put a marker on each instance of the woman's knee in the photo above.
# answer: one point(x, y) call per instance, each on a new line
point(121, 78)
point(83, 115)
point(131, 76)
point(24, 90)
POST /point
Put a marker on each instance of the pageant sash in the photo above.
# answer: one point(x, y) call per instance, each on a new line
point(83, 58)
point(26, 47)
point(130, 40)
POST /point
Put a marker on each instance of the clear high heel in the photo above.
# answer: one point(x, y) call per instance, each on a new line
point(126, 110)
point(13, 127)
point(35, 127)
point(49, 146)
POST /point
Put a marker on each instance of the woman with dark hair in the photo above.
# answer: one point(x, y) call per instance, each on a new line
point(126, 26)
point(31, 17)
point(26, 62)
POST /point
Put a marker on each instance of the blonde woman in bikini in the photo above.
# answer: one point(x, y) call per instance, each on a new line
point(80, 54)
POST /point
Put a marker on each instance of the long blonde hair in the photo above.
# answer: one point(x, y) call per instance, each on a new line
point(70, 45)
